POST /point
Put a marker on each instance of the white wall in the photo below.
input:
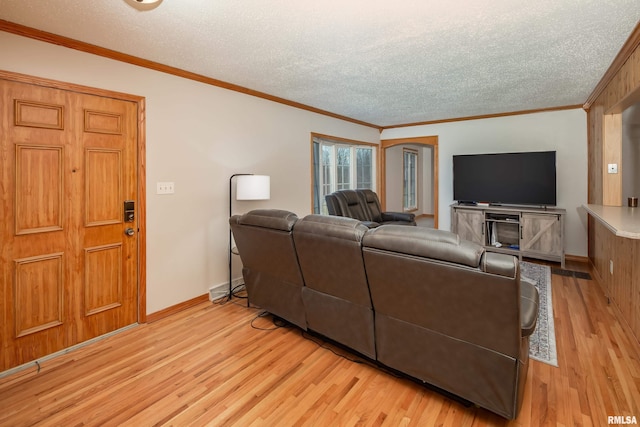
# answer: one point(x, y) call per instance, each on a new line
point(427, 180)
point(563, 131)
point(197, 136)
point(394, 178)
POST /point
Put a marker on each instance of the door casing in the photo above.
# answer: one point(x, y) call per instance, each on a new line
point(421, 140)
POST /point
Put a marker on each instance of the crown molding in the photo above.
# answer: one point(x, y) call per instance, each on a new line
point(485, 116)
point(33, 33)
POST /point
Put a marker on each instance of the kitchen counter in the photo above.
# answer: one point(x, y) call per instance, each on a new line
point(621, 220)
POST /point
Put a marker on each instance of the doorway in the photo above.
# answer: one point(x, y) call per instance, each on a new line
point(71, 253)
point(429, 143)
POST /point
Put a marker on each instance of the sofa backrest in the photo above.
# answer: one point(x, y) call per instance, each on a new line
point(332, 205)
point(464, 292)
point(336, 293)
point(330, 254)
point(270, 264)
point(427, 242)
point(352, 206)
point(370, 199)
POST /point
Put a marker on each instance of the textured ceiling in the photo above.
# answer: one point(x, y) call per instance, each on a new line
point(376, 61)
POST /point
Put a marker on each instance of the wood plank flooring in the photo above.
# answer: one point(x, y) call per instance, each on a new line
point(222, 365)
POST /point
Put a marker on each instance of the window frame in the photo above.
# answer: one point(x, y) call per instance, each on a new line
point(336, 143)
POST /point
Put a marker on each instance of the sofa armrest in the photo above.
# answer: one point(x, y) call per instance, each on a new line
point(371, 224)
point(529, 304)
point(500, 264)
point(399, 216)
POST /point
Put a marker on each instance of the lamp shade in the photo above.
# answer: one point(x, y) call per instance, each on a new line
point(253, 187)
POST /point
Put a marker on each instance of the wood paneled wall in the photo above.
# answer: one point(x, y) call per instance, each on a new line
point(618, 89)
point(622, 286)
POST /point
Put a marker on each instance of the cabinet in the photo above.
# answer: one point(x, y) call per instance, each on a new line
point(542, 234)
point(470, 225)
point(530, 232)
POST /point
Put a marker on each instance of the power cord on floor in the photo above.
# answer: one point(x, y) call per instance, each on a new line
point(236, 293)
point(225, 299)
point(277, 322)
point(322, 344)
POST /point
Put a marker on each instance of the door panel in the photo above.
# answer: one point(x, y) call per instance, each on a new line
point(39, 115)
point(39, 188)
point(541, 234)
point(69, 272)
point(102, 122)
point(470, 225)
point(103, 172)
point(102, 279)
point(39, 290)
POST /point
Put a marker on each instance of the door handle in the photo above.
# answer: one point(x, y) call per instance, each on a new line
point(129, 232)
point(129, 210)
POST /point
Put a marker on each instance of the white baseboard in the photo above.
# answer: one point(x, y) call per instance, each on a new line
point(222, 290)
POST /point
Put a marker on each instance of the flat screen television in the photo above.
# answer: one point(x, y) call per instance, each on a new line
point(527, 178)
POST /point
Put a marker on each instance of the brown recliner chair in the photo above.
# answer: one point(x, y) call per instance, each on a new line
point(270, 264)
point(364, 205)
point(450, 314)
point(332, 205)
point(371, 201)
point(351, 205)
point(336, 292)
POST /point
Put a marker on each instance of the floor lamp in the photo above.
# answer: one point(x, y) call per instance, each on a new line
point(248, 187)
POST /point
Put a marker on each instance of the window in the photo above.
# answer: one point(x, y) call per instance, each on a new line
point(343, 168)
point(340, 165)
point(410, 182)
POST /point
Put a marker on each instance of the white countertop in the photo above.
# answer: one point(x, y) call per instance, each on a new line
point(621, 220)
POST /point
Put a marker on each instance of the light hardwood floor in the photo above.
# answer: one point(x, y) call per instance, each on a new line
point(207, 365)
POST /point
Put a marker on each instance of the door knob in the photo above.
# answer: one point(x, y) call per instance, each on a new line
point(129, 232)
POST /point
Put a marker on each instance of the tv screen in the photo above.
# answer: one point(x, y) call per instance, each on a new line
point(527, 178)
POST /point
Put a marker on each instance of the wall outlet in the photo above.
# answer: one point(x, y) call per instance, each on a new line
point(611, 266)
point(612, 168)
point(165, 188)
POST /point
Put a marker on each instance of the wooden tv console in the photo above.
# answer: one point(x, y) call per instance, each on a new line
point(521, 231)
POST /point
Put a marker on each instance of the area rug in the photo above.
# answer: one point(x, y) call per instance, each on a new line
point(542, 343)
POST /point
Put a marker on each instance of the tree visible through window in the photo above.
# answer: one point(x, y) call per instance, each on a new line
point(343, 167)
point(364, 168)
point(410, 182)
point(339, 165)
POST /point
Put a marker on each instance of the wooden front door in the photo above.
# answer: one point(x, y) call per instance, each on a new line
point(69, 271)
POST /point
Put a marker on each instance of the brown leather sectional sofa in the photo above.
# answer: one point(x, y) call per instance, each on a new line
point(418, 300)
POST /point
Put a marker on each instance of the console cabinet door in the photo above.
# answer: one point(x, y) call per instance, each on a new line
point(470, 225)
point(541, 234)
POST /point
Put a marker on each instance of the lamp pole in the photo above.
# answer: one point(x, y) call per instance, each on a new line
point(230, 234)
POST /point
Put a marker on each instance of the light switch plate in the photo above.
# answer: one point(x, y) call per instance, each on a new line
point(165, 188)
point(612, 168)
